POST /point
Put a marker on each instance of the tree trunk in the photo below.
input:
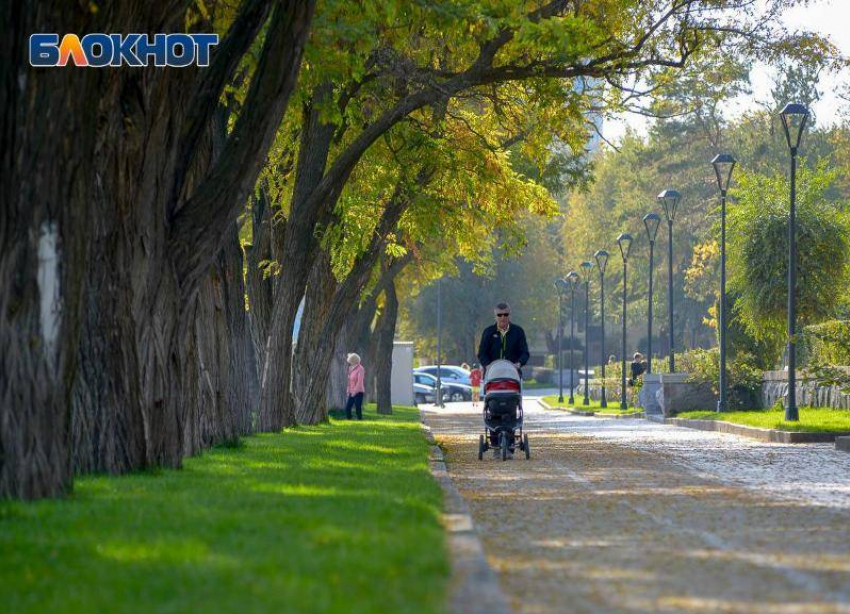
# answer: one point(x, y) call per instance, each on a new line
point(384, 337)
point(47, 140)
point(244, 389)
point(258, 284)
point(298, 245)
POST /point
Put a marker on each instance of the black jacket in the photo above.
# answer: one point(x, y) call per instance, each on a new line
point(490, 348)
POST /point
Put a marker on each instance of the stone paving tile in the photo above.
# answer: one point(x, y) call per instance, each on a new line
point(635, 518)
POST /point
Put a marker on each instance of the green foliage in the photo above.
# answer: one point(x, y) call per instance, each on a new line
point(758, 252)
point(744, 375)
point(302, 521)
point(826, 343)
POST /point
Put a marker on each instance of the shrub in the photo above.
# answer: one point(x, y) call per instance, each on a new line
point(744, 377)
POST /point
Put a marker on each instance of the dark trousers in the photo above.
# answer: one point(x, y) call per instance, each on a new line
point(355, 401)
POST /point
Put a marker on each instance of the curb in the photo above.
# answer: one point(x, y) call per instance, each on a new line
point(753, 432)
point(582, 412)
point(473, 588)
point(842, 443)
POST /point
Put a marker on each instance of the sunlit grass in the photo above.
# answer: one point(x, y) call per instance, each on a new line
point(337, 518)
point(613, 405)
point(812, 419)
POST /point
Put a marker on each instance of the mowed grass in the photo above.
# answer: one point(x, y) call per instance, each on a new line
point(812, 419)
point(338, 518)
point(613, 405)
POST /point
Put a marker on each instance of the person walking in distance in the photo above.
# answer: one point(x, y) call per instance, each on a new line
point(475, 381)
point(356, 386)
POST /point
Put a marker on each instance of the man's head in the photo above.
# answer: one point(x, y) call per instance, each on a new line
point(502, 311)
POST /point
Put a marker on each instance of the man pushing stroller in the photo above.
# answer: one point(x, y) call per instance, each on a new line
point(502, 341)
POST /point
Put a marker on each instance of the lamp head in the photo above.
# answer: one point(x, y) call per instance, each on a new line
point(561, 285)
point(723, 165)
point(651, 221)
point(625, 243)
point(572, 278)
point(586, 265)
point(670, 201)
point(794, 117)
point(601, 257)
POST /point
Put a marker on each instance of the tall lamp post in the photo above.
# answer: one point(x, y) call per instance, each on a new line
point(601, 257)
point(561, 287)
point(651, 221)
point(723, 165)
point(794, 118)
point(625, 243)
point(586, 265)
point(572, 280)
point(439, 337)
point(669, 201)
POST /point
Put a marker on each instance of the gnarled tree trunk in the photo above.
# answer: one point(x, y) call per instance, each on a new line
point(384, 337)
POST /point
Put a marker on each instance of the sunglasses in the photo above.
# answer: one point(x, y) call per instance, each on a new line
point(502, 315)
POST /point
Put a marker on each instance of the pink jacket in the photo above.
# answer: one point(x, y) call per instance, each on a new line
point(356, 379)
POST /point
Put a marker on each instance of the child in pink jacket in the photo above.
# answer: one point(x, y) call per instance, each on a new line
point(356, 386)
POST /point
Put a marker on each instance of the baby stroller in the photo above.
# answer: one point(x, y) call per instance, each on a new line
point(503, 410)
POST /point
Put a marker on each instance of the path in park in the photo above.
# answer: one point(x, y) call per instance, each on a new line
point(631, 516)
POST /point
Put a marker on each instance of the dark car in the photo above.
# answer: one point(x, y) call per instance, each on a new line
point(448, 373)
point(423, 393)
point(452, 391)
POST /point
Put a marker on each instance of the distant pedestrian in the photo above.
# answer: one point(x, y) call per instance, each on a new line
point(638, 366)
point(475, 381)
point(356, 386)
point(465, 366)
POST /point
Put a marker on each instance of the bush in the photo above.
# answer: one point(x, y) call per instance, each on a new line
point(826, 343)
point(744, 377)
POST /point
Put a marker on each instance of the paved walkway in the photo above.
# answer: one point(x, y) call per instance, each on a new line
point(629, 516)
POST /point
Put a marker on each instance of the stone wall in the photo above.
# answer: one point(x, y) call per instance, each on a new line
point(809, 393)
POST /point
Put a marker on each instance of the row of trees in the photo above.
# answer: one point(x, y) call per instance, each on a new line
point(122, 313)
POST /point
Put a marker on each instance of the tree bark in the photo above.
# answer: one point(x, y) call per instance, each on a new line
point(103, 198)
point(47, 139)
point(258, 284)
point(384, 337)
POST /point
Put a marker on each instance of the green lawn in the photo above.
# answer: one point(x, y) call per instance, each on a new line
point(613, 405)
point(342, 517)
point(811, 419)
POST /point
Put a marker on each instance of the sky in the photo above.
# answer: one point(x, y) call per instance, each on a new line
point(827, 17)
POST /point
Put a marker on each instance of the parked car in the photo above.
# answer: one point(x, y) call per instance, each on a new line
point(452, 391)
point(423, 393)
point(448, 373)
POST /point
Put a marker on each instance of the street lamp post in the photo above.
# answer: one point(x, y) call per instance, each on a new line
point(572, 279)
point(586, 265)
point(439, 337)
point(651, 221)
point(723, 165)
point(625, 243)
point(560, 286)
point(794, 118)
point(669, 201)
point(601, 257)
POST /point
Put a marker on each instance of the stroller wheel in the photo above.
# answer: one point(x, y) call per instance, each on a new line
point(525, 446)
point(504, 445)
point(481, 447)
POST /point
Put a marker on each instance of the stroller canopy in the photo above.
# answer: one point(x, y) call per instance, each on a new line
point(501, 369)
